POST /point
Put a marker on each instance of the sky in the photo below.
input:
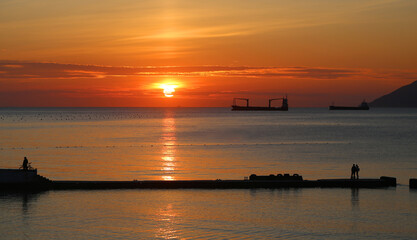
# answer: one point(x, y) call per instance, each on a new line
point(98, 53)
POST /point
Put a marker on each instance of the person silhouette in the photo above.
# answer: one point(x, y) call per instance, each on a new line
point(25, 164)
point(352, 172)
point(357, 171)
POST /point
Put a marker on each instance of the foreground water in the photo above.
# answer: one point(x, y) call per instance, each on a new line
point(190, 143)
point(212, 214)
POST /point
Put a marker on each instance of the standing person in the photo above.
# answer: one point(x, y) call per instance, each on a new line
point(357, 171)
point(352, 172)
point(25, 164)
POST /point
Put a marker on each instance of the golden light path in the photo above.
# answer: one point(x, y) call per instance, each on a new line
point(167, 218)
point(168, 149)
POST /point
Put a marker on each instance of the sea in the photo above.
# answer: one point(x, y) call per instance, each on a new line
point(210, 143)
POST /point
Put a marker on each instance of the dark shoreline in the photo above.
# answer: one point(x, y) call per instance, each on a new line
point(382, 182)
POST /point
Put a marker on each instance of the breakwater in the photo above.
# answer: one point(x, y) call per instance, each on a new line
point(382, 182)
point(11, 179)
point(225, 184)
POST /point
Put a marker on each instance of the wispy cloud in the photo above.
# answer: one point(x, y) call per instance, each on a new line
point(41, 84)
point(9, 70)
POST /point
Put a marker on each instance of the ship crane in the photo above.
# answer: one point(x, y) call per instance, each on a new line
point(284, 106)
point(273, 99)
point(245, 99)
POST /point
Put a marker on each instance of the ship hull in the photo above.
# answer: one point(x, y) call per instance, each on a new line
point(243, 108)
point(347, 108)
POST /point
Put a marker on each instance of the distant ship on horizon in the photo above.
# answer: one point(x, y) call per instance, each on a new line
point(284, 106)
point(363, 106)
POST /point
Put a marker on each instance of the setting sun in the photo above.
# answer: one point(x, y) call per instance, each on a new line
point(168, 90)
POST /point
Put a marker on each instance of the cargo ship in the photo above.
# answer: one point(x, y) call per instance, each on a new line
point(284, 106)
point(363, 106)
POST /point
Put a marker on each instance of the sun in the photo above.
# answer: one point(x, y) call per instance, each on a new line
point(168, 87)
point(168, 90)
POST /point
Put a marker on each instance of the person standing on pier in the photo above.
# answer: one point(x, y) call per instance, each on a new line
point(353, 172)
point(357, 171)
point(25, 164)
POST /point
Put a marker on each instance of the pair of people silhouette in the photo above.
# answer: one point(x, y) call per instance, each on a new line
point(354, 172)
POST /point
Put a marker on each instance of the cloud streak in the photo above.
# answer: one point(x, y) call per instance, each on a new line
point(33, 70)
point(55, 84)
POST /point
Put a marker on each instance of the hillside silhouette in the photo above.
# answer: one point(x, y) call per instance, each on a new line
point(403, 97)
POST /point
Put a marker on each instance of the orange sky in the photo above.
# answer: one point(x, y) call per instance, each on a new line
point(118, 53)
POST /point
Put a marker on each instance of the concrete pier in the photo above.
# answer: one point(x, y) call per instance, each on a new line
point(199, 184)
point(221, 184)
point(26, 180)
point(20, 176)
point(413, 183)
point(11, 180)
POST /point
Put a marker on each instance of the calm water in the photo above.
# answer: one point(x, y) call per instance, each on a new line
point(191, 143)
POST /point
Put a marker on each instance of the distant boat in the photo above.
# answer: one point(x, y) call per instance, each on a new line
point(284, 106)
point(363, 106)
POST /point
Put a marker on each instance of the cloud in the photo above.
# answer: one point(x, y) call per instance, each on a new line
point(12, 66)
point(33, 70)
point(47, 84)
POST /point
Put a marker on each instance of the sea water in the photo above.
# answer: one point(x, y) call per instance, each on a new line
point(209, 143)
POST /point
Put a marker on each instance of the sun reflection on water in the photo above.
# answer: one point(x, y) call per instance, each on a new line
point(167, 220)
point(169, 140)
